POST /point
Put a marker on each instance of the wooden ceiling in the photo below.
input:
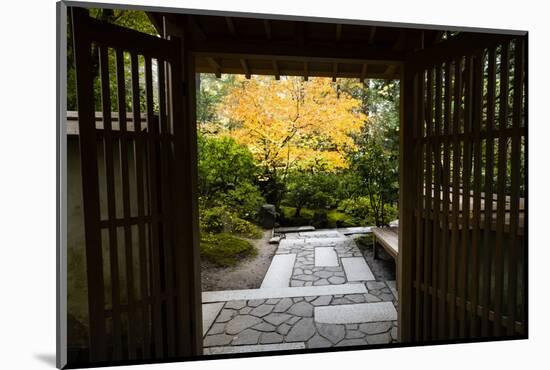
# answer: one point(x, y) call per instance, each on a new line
point(254, 46)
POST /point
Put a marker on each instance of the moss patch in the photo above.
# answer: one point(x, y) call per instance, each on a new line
point(225, 249)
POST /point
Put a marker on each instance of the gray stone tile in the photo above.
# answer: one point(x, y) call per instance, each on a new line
point(236, 305)
point(276, 318)
point(226, 315)
point(262, 310)
point(293, 320)
point(318, 341)
point(356, 269)
point(356, 313)
point(217, 328)
point(352, 342)
point(217, 340)
point(268, 338)
point(354, 334)
point(247, 336)
point(303, 309)
point(245, 310)
point(209, 313)
point(283, 305)
point(272, 301)
point(334, 333)
point(323, 300)
point(379, 339)
point(301, 331)
point(283, 329)
point(279, 272)
point(325, 256)
point(375, 327)
point(254, 348)
point(240, 323)
point(264, 326)
point(393, 333)
point(336, 280)
point(255, 302)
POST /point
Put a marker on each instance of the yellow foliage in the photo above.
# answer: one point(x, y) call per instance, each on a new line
point(292, 122)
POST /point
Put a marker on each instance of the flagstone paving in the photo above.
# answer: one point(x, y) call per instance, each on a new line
point(320, 306)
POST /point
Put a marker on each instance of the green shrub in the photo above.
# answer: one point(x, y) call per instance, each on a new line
point(221, 219)
point(360, 209)
point(225, 249)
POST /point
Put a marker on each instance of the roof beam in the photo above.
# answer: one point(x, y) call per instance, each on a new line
point(267, 28)
point(363, 72)
point(390, 71)
point(276, 69)
point(215, 65)
point(338, 32)
point(197, 28)
point(306, 71)
point(371, 34)
point(246, 70)
point(334, 71)
point(231, 26)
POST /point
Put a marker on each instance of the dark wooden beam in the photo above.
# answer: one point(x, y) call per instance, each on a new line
point(390, 70)
point(338, 32)
point(363, 72)
point(276, 69)
point(292, 50)
point(158, 21)
point(306, 71)
point(267, 28)
point(371, 34)
point(231, 26)
point(215, 65)
point(334, 71)
point(301, 33)
point(196, 28)
point(246, 70)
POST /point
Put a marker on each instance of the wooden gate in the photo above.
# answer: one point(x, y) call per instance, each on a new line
point(139, 205)
point(463, 252)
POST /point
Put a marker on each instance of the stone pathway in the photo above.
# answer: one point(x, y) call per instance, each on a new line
point(318, 292)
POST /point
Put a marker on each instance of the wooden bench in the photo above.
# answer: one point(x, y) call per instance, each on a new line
point(388, 238)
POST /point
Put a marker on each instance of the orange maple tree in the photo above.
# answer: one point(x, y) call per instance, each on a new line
point(292, 123)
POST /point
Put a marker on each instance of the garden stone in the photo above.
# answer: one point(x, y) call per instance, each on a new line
point(272, 301)
point(374, 285)
point(322, 300)
point(336, 280)
point(276, 318)
point(268, 338)
point(351, 342)
point(379, 339)
point(302, 331)
point(217, 340)
point(247, 336)
point(216, 329)
point(255, 302)
point(375, 327)
point(393, 333)
point(354, 334)
point(264, 326)
point(321, 282)
point(262, 310)
point(318, 341)
point(245, 310)
point(241, 323)
point(369, 298)
point(225, 315)
point(283, 329)
point(283, 305)
point(356, 298)
point(303, 309)
point(334, 333)
point(293, 320)
point(236, 305)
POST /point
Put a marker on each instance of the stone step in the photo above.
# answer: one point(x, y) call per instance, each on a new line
point(325, 257)
point(279, 272)
point(266, 293)
point(356, 269)
point(209, 313)
point(355, 313)
point(254, 348)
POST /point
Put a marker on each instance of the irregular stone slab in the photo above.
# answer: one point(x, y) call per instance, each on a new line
point(323, 300)
point(303, 309)
point(217, 328)
point(283, 329)
point(334, 333)
point(247, 336)
point(264, 326)
point(356, 269)
point(226, 315)
point(266, 293)
point(351, 342)
point(393, 287)
point(379, 339)
point(209, 313)
point(355, 313)
point(356, 230)
point(375, 327)
point(241, 323)
point(325, 256)
point(290, 243)
point(318, 341)
point(336, 280)
point(393, 333)
point(301, 331)
point(283, 305)
point(271, 338)
point(262, 310)
point(321, 234)
point(276, 318)
point(217, 340)
point(255, 348)
point(255, 302)
point(279, 272)
point(236, 305)
point(293, 229)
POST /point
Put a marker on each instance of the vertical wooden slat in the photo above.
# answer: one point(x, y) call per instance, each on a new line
point(90, 187)
point(111, 203)
point(128, 243)
point(152, 125)
point(419, 205)
point(514, 184)
point(501, 188)
point(428, 186)
point(446, 183)
point(456, 196)
point(477, 108)
point(488, 187)
point(466, 172)
point(140, 192)
point(166, 201)
point(436, 237)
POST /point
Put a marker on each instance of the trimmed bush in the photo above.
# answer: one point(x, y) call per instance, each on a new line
point(225, 249)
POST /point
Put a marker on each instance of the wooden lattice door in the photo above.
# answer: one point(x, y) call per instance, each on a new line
point(463, 221)
point(139, 210)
